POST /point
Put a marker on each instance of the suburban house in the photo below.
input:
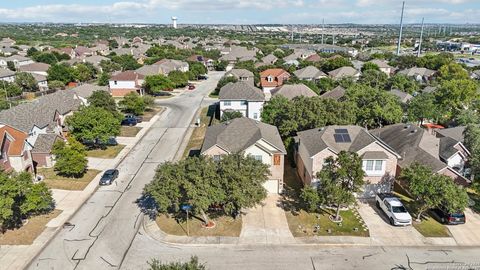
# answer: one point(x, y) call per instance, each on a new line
point(273, 78)
point(207, 62)
point(419, 74)
point(314, 58)
point(7, 75)
point(299, 54)
point(35, 68)
point(84, 91)
point(168, 65)
point(15, 150)
point(41, 80)
point(42, 152)
point(17, 61)
point(313, 146)
point(443, 155)
point(126, 82)
point(82, 52)
point(269, 59)
point(336, 93)
point(242, 97)
point(455, 133)
point(344, 72)
point(402, 96)
point(234, 54)
point(383, 66)
point(149, 70)
point(95, 60)
point(310, 73)
point(291, 91)
point(253, 138)
point(242, 75)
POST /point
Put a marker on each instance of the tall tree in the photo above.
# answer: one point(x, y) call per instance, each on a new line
point(60, 72)
point(93, 123)
point(374, 78)
point(456, 95)
point(157, 83)
point(133, 103)
point(70, 158)
point(103, 99)
point(452, 71)
point(422, 107)
point(403, 83)
point(26, 81)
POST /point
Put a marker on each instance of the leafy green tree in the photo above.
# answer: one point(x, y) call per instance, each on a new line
point(11, 66)
point(310, 198)
point(403, 83)
point(452, 71)
point(193, 264)
point(103, 99)
point(326, 84)
point(335, 62)
point(93, 123)
point(133, 103)
point(339, 179)
point(157, 83)
point(276, 110)
point(468, 117)
point(83, 73)
point(112, 44)
point(374, 78)
point(109, 66)
point(103, 79)
point(456, 95)
point(221, 65)
point(45, 57)
point(196, 69)
point(435, 61)
point(70, 158)
point(432, 190)
point(224, 81)
point(60, 72)
point(55, 84)
point(422, 107)
point(369, 66)
point(126, 62)
point(230, 115)
point(375, 107)
point(32, 51)
point(472, 142)
point(404, 61)
point(178, 78)
point(26, 81)
point(12, 89)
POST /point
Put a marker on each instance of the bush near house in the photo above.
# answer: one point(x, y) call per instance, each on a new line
point(70, 158)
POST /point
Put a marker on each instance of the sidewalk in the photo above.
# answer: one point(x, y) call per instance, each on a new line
point(18, 256)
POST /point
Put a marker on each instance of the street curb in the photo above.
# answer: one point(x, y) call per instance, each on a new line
point(57, 230)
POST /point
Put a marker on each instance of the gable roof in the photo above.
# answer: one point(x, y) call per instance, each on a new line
point(44, 143)
point(274, 72)
point(416, 71)
point(309, 72)
point(128, 75)
point(380, 63)
point(240, 72)
point(86, 90)
point(404, 97)
point(269, 59)
point(149, 70)
point(6, 73)
point(291, 91)
point(314, 58)
point(336, 93)
point(455, 133)
point(17, 139)
point(241, 91)
point(37, 66)
point(343, 72)
point(240, 133)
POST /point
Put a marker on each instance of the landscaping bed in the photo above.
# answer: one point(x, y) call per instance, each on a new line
point(224, 226)
point(54, 181)
point(303, 224)
point(126, 131)
point(26, 234)
point(207, 118)
point(109, 152)
point(150, 113)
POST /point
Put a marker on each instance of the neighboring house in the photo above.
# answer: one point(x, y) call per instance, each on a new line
point(15, 150)
point(95, 61)
point(234, 54)
point(7, 51)
point(455, 133)
point(84, 91)
point(357, 64)
point(242, 75)
point(253, 138)
point(41, 81)
point(42, 150)
point(402, 96)
point(419, 74)
point(126, 82)
point(336, 93)
point(273, 78)
point(379, 161)
point(314, 58)
point(299, 54)
point(383, 66)
point(35, 68)
point(207, 62)
point(101, 48)
point(290, 91)
point(17, 61)
point(242, 97)
point(344, 72)
point(82, 52)
point(168, 65)
point(149, 70)
point(269, 59)
point(7, 75)
point(443, 155)
point(310, 73)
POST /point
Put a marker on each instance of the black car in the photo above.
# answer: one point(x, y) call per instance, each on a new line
point(108, 177)
point(202, 77)
point(139, 118)
point(445, 217)
point(129, 122)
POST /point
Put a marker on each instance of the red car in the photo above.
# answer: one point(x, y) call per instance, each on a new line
point(191, 87)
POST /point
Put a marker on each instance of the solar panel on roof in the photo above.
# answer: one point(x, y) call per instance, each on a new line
point(346, 137)
point(341, 131)
point(338, 138)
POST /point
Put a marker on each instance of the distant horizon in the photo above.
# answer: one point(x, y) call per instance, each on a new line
point(241, 12)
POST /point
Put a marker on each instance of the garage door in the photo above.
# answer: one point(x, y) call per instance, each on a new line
point(271, 186)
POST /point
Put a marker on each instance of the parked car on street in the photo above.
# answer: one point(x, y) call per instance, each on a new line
point(443, 216)
point(139, 118)
point(129, 122)
point(97, 143)
point(108, 177)
point(392, 206)
point(202, 77)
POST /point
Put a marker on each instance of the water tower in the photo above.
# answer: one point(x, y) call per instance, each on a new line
point(174, 22)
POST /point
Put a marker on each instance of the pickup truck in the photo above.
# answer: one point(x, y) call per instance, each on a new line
point(392, 206)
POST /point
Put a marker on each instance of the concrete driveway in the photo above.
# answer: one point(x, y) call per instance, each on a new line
point(467, 234)
point(266, 224)
point(382, 233)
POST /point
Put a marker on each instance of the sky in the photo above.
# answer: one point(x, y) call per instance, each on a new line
point(240, 11)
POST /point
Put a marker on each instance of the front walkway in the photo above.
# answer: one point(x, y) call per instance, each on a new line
point(266, 224)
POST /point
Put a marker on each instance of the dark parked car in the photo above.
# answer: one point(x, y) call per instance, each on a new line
point(445, 217)
point(129, 122)
point(202, 77)
point(161, 94)
point(139, 118)
point(108, 177)
point(97, 143)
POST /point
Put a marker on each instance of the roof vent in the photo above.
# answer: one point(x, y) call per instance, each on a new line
point(406, 126)
point(413, 131)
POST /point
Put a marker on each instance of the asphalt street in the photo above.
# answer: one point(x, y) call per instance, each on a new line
point(105, 226)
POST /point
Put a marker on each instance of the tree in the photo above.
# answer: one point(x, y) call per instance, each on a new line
point(224, 81)
point(112, 44)
point(335, 62)
point(82, 72)
point(11, 65)
point(326, 84)
point(196, 69)
point(435, 61)
point(126, 62)
point(276, 110)
point(12, 89)
point(103, 99)
point(310, 198)
point(369, 66)
point(178, 78)
point(133, 103)
point(230, 115)
point(467, 117)
point(60, 72)
point(452, 71)
point(403, 83)
point(472, 142)
point(26, 81)
point(32, 51)
point(432, 190)
point(339, 179)
point(157, 83)
point(404, 61)
point(456, 95)
point(221, 65)
point(421, 107)
point(193, 264)
point(108, 66)
point(103, 79)
point(70, 158)
point(374, 78)
point(55, 84)
point(93, 123)
point(20, 198)
point(45, 57)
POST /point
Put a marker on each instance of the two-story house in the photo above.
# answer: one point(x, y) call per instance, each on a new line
point(168, 65)
point(242, 75)
point(126, 82)
point(15, 150)
point(242, 97)
point(7, 75)
point(253, 138)
point(310, 73)
point(383, 66)
point(273, 78)
point(379, 161)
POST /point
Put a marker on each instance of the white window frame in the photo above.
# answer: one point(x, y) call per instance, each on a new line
point(374, 169)
point(258, 157)
point(227, 103)
point(255, 115)
point(270, 79)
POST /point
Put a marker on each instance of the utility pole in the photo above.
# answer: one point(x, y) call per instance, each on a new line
point(421, 37)
point(401, 30)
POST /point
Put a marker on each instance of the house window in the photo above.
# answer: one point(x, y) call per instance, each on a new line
point(243, 78)
point(270, 79)
point(115, 82)
point(374, 167)
point(255, 115)
point(276, 160)
point(216, 157)
point(257, 157)
point(227, 103)
point(243, 102)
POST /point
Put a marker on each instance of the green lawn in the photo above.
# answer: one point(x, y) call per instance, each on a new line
point(302, 223)
point(475, 199)
point(109, 152)
point(126, 131)
point(207, 118)
point(224, 226)
point(52, 180)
